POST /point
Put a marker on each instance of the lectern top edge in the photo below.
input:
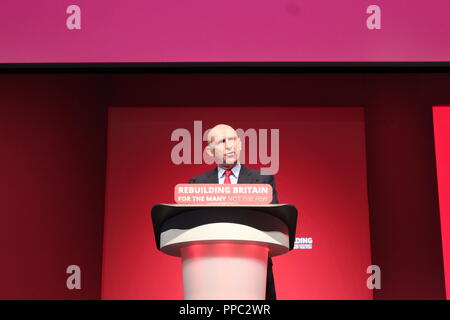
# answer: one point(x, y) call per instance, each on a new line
point(176, 205)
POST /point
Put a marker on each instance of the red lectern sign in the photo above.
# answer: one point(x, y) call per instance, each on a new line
point(223, 194)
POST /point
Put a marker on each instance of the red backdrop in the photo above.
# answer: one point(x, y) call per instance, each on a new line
point(322, 172)
point(53, 139)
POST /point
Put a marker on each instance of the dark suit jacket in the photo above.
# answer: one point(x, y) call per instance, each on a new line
point(247, 175)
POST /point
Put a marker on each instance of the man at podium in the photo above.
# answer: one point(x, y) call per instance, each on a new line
point(224, 146)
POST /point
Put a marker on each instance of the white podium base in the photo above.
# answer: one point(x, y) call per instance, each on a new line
point(224, 271)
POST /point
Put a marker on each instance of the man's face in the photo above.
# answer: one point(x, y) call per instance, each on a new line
point(225, 146)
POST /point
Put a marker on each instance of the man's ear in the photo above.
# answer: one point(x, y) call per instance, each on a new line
point(209, 151)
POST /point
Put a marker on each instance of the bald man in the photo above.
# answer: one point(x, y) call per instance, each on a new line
point(224, 146)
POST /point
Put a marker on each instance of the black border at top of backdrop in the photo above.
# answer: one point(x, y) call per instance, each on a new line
point(228, 67)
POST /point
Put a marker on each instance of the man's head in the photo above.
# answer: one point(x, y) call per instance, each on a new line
point(224, 145)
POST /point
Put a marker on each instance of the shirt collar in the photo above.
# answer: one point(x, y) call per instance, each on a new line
point(235, 170)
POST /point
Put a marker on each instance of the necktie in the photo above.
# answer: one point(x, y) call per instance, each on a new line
point(228, 173)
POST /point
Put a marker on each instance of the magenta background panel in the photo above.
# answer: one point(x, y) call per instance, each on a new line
point(223, 31)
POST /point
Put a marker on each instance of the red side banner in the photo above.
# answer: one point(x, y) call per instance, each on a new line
point(441, 119)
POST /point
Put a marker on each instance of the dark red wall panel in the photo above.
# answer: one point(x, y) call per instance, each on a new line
point(52, 133)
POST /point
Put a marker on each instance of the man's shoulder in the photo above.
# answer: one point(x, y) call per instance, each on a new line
point(205, 177)
point(261, 175)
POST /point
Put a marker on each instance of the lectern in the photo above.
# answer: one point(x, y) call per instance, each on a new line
point(224, 248)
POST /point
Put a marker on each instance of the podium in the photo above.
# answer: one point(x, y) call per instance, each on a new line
point(224, 248)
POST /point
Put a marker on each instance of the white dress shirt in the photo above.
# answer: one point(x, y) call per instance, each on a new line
point(233, 177)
